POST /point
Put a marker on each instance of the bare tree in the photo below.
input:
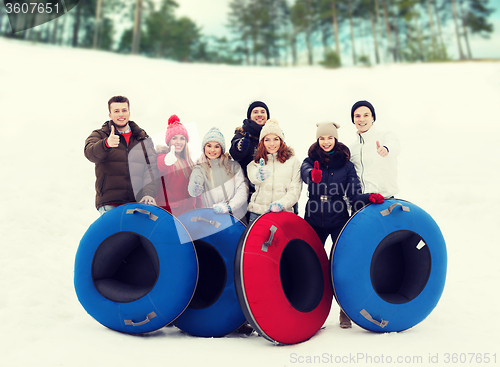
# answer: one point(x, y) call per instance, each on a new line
point(97, 24)
point(136, 35)
point(457, 30)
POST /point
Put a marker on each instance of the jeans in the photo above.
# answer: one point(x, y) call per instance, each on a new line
point(105, 208)
point(252, 216)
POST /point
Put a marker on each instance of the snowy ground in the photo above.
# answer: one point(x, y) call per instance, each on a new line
point(51, 99)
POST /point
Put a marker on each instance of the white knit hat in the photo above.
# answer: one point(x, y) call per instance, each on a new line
point(327, 128)
point(271, 127)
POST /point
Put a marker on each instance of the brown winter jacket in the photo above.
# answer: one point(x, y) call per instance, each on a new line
point(124, 170)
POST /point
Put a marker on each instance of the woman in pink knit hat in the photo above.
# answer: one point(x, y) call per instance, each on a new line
point(175, 166)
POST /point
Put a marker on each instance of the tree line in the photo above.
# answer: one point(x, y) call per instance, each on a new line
point(274, 32)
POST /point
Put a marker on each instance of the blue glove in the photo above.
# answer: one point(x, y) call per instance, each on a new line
point(244, 143)
point(263, 173)
point(276, 207)
point(196, 190)
point(221, 208)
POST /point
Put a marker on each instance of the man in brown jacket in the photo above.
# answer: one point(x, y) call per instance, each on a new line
point(125, 159)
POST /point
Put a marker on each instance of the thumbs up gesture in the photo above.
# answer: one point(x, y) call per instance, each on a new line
point(113, 140)
point(316, 173)
point(244, 143)
point(382, 151)
point(263, 172)
point(170, 158)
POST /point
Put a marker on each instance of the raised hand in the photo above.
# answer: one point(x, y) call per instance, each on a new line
point(263, 172)
point(170, 158)
point(316, 173)
point(113, 140)
point(382, 151)
point(244, 143)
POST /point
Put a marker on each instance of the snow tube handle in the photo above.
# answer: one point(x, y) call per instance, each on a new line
point(149, 214)
point(268, 243)
point(201, 219)
point(369, 317)
point(149, 316)
point(391, 208)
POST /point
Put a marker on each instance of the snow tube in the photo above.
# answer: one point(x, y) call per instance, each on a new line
point(388, 266)
point(214, 310)
point(135, 269)
point(282, 278)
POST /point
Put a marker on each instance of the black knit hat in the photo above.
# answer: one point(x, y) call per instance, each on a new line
point(257, 104)
point(360, 104)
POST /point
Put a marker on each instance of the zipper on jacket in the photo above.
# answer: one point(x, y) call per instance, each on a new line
point(362, 142)
point(272, 185)
point(326, 195)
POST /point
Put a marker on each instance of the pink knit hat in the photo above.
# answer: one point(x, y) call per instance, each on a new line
point(174, 128)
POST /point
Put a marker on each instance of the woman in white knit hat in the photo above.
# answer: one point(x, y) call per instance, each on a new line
point(275, 172)
point(218, 179)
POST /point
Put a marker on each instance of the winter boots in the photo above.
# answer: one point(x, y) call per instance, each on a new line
point(345, 321)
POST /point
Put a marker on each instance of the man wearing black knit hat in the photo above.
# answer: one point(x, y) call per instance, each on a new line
point(374, 153)
point(246, 137)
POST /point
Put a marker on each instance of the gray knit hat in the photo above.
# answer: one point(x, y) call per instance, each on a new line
point(327, 128)
point(214, 134)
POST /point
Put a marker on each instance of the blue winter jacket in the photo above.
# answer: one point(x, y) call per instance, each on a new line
point(326, 206)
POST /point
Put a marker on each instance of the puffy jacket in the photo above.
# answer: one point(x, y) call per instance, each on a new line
point(173, 188)
point(283, 186)
point(235, 192)
point(376, 173)
point(126, 173)
point(326, 206)
point(244, 158)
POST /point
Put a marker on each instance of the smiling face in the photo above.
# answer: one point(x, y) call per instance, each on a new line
point(179, 141)
point(272, 143)
point(213, 150)
point(120, 114)
point(363, 119)
point(326, 142)
point(259, 115)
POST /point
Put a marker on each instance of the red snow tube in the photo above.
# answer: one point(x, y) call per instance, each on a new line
point(282, 278)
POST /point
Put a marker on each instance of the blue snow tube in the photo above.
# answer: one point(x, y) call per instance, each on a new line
point(214, 310)
point(135, 269)
point(388, 266)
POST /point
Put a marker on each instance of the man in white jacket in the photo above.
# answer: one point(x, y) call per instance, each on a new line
point(374, 153)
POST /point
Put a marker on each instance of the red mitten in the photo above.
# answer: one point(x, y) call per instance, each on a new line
point(376, 198)
point(316, 173)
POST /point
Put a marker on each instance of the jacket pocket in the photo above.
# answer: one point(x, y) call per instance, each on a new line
point(100, 184)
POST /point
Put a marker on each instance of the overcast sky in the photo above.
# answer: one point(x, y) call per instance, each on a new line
point(212, 17)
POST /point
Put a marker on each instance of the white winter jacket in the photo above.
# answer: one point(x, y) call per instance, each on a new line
point(283, 186)
point(376, 173)
point(221, 187)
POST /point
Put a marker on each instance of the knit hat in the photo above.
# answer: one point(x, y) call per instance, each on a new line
point(360, 104)
point(327, 128)
point(271, 127)
point(174, 128)
point(214, 134)
point(257, 104)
